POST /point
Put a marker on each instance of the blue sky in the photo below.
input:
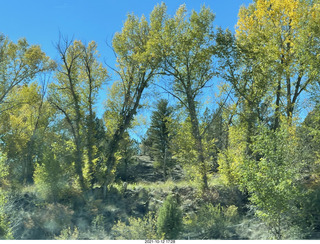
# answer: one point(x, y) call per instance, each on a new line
point(40, 21)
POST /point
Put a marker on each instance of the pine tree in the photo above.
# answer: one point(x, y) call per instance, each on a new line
point(169, 219)
point(159, 136)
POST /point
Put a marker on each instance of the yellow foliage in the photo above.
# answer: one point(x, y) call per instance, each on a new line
point(232, 159)
point(269, 26)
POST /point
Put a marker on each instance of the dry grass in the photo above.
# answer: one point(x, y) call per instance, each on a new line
point(169, 184)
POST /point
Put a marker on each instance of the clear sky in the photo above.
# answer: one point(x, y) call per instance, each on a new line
point(40, 21)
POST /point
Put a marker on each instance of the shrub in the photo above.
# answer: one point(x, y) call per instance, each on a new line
point(48, 178)
point(272, 177)
point(98, 223)
point(4, 225)
point(68, 234)
point(136, 229)
point(5, 232)
point(213, 222)
point(307, 216)
point(169, 221)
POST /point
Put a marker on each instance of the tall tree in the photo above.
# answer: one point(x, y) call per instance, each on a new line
point(188, 49)
point(79, 77)
point(21, 63)
point(137, 66)
point(282, 41)
point(23, 128)
point(270, 62)
point(95, 76)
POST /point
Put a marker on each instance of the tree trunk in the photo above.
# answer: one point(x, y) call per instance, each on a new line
point(198, 140)
point(90, 142)
point(129, 110)
point(250, 127)
point(277, 109)
point(165, 165)
point(29, 167)
point(78, 163)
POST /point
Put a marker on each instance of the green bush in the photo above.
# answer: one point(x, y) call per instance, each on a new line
point(212, 222)
point(307, 215)
point(169, 223)
point(272, 177)
point(136, 229)
point(48, 179)
point(5, 232)
point(68, 234)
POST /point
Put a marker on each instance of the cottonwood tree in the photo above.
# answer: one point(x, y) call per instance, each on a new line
point(23, 129)
point(188, 49)
point(137, 67)
point(282, 42)
point(19, 64)
point(270, 61)
point(78, 80)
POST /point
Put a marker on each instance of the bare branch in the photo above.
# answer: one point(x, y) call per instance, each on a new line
point(216, 114)
point(174, 95)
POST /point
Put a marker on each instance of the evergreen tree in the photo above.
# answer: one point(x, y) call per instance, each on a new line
point(128, 149)
point(169, 221)
point(159, 136)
